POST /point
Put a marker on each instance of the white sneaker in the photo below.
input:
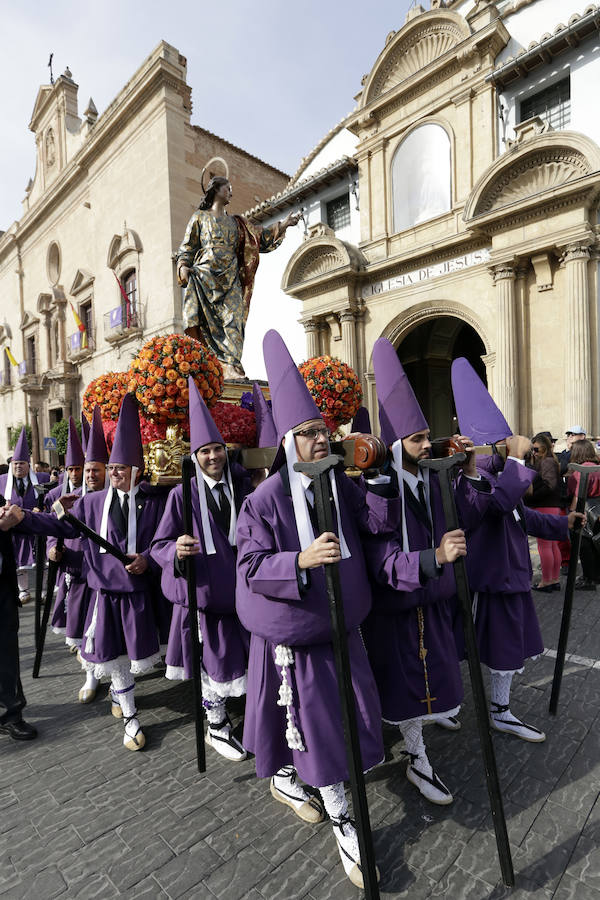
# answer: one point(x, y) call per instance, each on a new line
point(429, 786)
point(347, 841)
point(286, 789)
point(221, 739)
point(510, 725)
point(24, 597)
point(450, 723)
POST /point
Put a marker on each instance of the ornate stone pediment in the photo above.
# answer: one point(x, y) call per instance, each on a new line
point(319, 256)
point(83, 279)
point(532, 171)
point(28, 320)
point(121, 245)
point(422, 41)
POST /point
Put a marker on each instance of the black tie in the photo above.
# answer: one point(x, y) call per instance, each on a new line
point(423, 502)
point(20, 487)
point(225, 507)
point(125, 508)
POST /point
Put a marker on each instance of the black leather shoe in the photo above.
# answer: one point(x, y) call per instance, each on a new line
point(19, 731)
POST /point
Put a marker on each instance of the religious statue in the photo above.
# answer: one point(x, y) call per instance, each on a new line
point(217, 262)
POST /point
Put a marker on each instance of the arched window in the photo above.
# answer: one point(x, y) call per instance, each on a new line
point(421, 177)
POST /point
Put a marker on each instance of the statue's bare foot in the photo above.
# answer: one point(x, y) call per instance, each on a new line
point(232, 373)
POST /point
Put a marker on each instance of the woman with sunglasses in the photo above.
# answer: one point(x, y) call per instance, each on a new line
point(544, 496)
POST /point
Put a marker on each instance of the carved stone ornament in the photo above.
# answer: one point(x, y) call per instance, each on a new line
point(317, 262)
point(50, 149)
point(534, 174)
point(163, 458)
point(423, 44)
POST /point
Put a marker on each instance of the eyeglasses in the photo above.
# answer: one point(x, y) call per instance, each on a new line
point(116, 469)
point(313, 433)
point(535, 449)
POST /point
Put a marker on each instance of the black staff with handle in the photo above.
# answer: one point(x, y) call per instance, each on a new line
point(50, 585)
point(188, 472)
point(584, 473)
point(90, 534)
point(443, 468)
point(319, 472)
point(40, 566)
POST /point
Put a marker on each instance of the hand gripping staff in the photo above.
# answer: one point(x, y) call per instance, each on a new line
point(319, 472)
point(50, 585)
point(188, 472)
point(443, 468)
point(584, 473)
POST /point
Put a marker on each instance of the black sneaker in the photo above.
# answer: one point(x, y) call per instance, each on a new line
point(19, 731)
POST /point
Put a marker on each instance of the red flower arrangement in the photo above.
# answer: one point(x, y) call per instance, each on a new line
point(236, 424)
point(159, 377)
point(150, 431)
point(335, 388)
point(107, 392)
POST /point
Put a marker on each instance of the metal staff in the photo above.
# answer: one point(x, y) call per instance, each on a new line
point(90, 534)
point(584, 473)
point(188, 473)
point(40, 565)
point(443, 468)
point(319, 472)
point(50, 585)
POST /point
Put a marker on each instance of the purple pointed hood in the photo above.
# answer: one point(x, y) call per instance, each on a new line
point(266, 432)
point(203, 429)
point(478, 416)
point(127, 445)
point(291, 400)
point(21, 452)
point(74, 455)
point(96, 449)
point(362, 421)
point(85, 431)
point(399, 412)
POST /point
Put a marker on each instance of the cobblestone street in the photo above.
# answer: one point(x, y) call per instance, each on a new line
point(83, 817)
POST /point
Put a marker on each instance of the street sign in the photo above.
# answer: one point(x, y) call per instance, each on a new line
point(49, 443)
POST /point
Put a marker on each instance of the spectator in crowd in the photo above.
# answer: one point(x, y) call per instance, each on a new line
point(573, 434)
point(544, 496)
point(584, 454)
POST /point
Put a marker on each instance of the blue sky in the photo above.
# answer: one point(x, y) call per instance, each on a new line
point(271, 76)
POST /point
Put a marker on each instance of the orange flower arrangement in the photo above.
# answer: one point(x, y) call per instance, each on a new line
point(107, 392)
point(159, 377)
point(335, 388)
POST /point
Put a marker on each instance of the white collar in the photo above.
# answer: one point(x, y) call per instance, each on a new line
point(211, 481)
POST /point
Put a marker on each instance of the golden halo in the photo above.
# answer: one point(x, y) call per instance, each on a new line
point(214, 159)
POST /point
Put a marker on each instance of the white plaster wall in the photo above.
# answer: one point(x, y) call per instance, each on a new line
point(341, 144)
point(531, 22)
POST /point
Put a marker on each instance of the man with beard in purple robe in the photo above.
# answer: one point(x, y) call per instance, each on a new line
point(217, 494)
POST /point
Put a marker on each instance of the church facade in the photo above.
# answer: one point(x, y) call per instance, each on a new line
point(103, 217)
point(455, 212)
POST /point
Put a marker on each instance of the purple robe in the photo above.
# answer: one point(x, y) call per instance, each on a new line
point(276, 609)
point(225, 640)
point(499, 566)
point(122, 610)
point(24, 543)
point(391, 631)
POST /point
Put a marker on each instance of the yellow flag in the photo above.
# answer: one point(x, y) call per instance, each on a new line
point(11, 358)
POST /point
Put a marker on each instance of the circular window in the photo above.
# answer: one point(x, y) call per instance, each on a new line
point(53, 262)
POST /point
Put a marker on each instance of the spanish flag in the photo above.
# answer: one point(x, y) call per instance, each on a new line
point(81, 327)
point(11, 358)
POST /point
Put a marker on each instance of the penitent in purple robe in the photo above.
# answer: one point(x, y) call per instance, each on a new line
point(120, 626)
point(69, 573)
point(391, 631)
point(225, 640)
point(276, 609)
point(24, 543)
point(499, 566)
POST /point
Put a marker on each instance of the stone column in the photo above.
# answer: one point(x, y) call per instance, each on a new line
point(62, 334)
point(349, 350)
point(507, 373)
point(312, 330)
point(578, 365)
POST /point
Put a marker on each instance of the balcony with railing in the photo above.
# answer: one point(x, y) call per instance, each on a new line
point(123, 323)
point(6, 381)
point(30, 374)
point(80, 346)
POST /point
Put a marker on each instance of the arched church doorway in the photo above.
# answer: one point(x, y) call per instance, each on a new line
point(426, 354)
